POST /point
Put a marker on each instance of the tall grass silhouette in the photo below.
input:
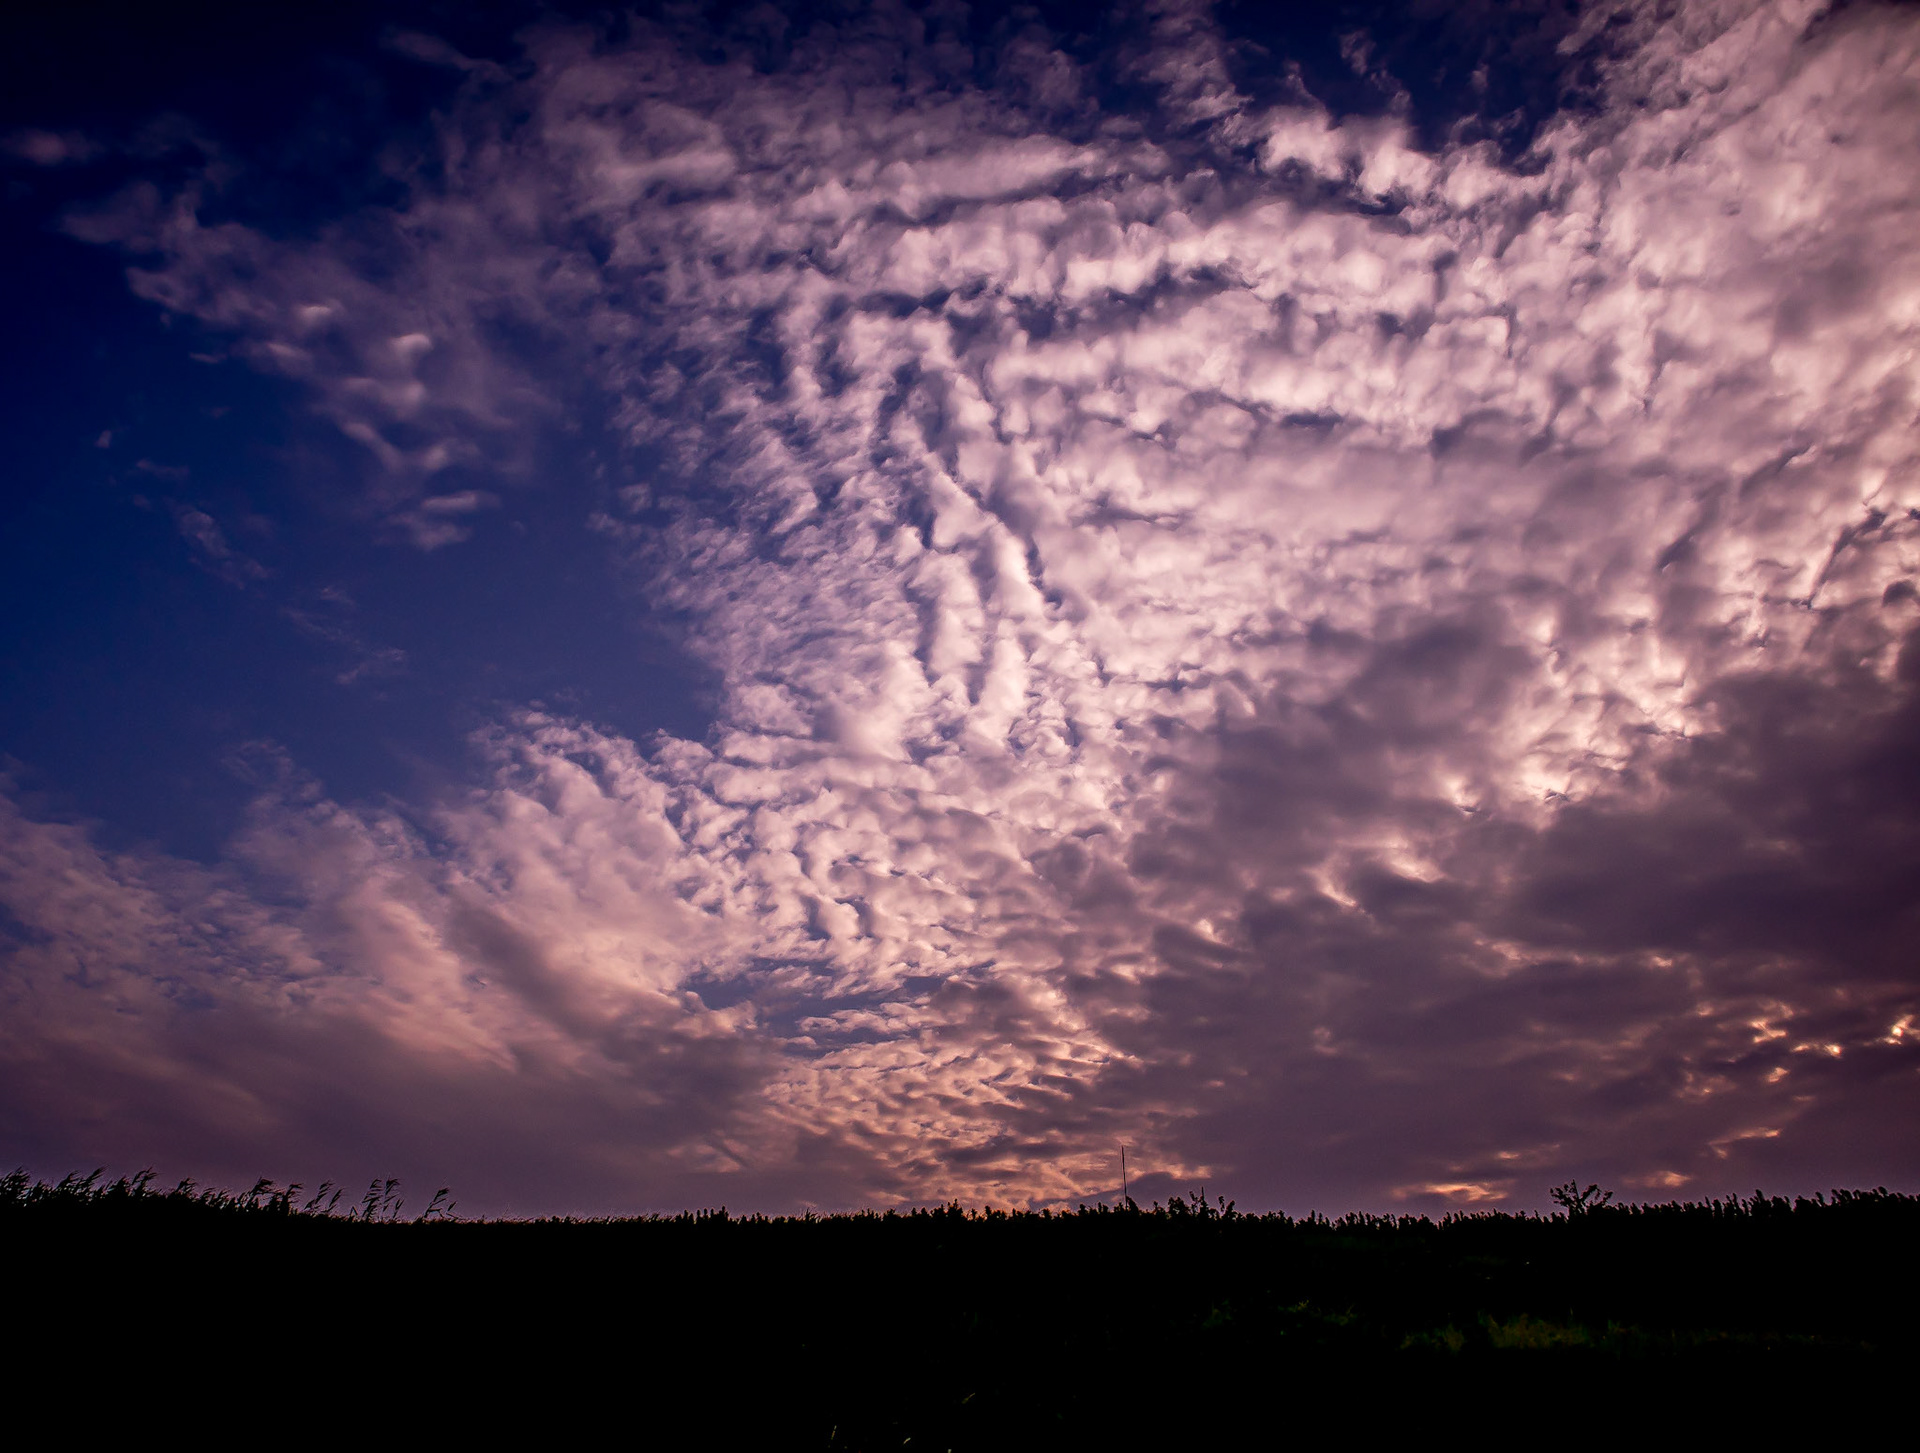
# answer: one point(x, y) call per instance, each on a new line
point(979, 1328)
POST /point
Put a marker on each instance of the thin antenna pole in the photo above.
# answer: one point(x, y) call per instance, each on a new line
point(1123, 1175)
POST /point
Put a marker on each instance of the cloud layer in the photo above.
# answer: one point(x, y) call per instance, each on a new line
point(1371, 673)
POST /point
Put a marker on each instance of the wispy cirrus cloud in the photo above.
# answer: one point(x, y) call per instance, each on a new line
point(1365, 671)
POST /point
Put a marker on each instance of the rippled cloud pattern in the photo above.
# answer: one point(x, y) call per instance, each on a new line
point(1373, 669)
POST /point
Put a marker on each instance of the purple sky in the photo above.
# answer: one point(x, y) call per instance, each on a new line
point(860, 606)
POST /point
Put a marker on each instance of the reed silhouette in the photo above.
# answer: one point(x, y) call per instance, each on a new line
point(969, 1328)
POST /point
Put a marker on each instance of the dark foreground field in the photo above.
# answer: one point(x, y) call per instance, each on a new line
point(940, 1329)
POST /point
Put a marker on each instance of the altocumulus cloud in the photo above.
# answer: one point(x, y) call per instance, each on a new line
point(1375, 668)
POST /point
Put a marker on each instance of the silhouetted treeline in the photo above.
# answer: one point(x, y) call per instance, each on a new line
point(986, 1328)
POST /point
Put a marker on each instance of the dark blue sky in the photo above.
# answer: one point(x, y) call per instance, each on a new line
point(143, 676)
point(138, 666)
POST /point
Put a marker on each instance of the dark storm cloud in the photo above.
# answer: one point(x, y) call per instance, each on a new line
point(1365, 654)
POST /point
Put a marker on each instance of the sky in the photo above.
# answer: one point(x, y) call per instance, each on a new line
point(860, 604)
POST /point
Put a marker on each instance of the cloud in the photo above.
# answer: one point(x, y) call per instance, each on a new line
point(211, 549)
point(440, 519)
point(1367, 672)
point(330, 617)
point(51, 148)
point(431, 50)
